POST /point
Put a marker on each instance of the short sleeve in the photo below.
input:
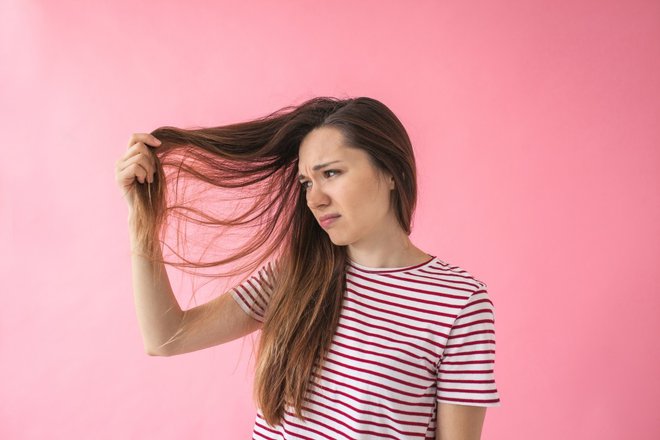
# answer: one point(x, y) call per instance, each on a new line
point(466, 371)
point(253, 294)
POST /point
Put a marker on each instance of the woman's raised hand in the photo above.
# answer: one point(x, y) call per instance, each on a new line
point(137, 163)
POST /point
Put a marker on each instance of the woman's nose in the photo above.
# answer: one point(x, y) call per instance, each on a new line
point(316, 197)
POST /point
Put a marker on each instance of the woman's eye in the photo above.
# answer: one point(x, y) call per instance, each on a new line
point(304, 184)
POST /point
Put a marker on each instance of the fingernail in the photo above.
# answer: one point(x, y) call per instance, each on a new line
point(158, 141)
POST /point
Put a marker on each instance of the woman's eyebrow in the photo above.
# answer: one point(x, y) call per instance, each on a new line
point(318, 167)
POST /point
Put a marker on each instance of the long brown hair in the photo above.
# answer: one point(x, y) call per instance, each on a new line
point(259, 158)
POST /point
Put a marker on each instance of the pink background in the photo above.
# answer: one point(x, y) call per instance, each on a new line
point(536, 128)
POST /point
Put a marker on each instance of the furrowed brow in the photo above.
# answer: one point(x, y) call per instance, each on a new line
point(318, 167)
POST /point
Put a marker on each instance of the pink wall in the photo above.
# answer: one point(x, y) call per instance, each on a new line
point(536, 126)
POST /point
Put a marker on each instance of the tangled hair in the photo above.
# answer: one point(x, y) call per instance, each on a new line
point(259, 158)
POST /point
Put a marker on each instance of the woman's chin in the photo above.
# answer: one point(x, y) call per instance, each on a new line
point(336, 240)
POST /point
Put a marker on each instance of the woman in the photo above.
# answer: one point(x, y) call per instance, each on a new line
point(363, 334)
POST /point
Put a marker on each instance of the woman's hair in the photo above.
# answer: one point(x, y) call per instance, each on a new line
point(259, 159)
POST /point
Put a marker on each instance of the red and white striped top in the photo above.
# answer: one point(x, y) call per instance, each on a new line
point(407, 338)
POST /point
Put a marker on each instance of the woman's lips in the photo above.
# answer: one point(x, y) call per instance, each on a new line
point(328, 222)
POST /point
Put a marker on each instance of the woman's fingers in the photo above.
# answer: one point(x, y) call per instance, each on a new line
point(138, 162)
point(145, 138)
point(146, 162)
point(130, 173)
point(138, 144)
point(138, 148)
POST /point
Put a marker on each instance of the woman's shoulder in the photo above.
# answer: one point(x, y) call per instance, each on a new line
point(446, 270)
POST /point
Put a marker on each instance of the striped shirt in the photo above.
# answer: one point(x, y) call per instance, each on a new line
point(408, 338)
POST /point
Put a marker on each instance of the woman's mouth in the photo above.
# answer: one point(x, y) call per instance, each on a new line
point(328, 221)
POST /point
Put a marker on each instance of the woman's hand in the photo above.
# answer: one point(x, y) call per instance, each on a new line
point(137, 163)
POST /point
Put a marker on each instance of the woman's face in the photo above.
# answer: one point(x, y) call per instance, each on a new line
point(348, 186)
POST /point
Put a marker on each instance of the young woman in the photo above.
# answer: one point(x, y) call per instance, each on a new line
point(364, 335)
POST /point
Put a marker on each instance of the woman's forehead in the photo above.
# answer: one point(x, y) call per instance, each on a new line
point(320, 140)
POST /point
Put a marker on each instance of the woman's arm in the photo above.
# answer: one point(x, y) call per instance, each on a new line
point(459, 422)
point(158, 311)
point(216, 322)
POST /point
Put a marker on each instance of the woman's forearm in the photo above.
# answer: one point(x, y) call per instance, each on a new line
point(158, 311)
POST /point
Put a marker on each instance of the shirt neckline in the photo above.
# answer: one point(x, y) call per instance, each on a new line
point(363, 268)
